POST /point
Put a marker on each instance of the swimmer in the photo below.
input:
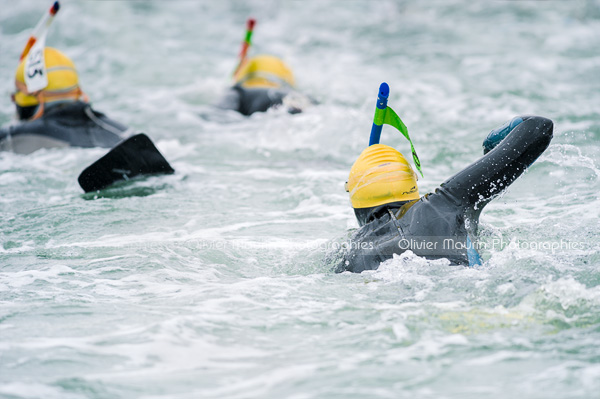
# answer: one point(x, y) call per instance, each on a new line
point(53, 111)
point(393, 216)
point(262, 82)
point(59, 115)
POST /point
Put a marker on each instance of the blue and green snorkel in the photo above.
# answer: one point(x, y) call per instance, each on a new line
point(386, 115)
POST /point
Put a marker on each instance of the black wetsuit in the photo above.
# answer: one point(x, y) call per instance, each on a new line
point(250, 100)
point(67, 124)
point(443, 224)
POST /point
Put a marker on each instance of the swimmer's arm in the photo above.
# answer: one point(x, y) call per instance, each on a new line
point(505, 161)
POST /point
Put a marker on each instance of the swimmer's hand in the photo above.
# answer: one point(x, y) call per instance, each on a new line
point(497, 135)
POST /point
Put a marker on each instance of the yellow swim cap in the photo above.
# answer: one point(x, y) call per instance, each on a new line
point(264, 71)
point(379, 176)
point(63, 82)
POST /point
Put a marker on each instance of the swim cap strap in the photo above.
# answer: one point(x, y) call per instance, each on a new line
point(389, 117)
point(46, 96)
point(270, 77)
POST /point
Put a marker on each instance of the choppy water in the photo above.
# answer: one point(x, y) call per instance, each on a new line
point(212, 282)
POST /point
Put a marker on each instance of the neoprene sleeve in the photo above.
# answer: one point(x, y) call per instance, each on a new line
point(479, 182)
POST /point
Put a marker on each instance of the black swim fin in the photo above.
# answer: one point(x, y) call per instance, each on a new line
point(132, 157)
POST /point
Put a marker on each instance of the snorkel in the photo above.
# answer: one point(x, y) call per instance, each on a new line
point(386, 115)
point(245, 44)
